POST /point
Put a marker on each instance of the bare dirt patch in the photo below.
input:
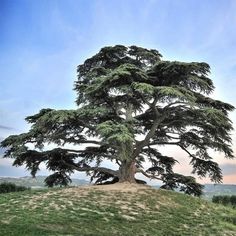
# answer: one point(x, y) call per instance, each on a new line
point(121, 187)
point(7, 221)
point(127, 217)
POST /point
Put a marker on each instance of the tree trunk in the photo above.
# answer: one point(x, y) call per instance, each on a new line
point(127, 172)
point(127, 169)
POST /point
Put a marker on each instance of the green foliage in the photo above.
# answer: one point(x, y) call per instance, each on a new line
point(186, 184)
point(118, 135)
point(192, 76)
point(174, 92)
point(57, 178)
point(115, 133)
point(130, 102)
point(93, 111)
point(144, 88)
point(11, 187)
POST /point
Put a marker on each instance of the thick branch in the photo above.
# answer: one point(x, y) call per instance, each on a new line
point(145, 100)
point(99, 169)
point(151, 132)
point(87, 152)
point(90, 168)
point(90, 141)
point(151, 176)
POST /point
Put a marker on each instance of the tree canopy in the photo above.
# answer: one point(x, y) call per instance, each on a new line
point(129, 103)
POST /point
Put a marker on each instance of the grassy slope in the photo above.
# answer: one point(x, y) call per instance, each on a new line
point(92, 211)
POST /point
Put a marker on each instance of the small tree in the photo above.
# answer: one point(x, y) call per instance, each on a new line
point(130, 103)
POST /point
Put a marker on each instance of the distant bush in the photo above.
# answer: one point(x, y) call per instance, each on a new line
point(11, 187)
point(225, 200)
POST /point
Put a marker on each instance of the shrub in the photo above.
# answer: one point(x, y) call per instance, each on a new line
point(225, 200)
point(233, 200)
point(7, 187)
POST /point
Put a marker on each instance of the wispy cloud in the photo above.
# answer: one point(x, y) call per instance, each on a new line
point(229, 169)
point(5, 127)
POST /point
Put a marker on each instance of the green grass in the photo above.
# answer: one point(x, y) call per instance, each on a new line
point(81, 211)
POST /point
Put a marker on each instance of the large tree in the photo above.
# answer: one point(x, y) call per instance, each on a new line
point(130, 102)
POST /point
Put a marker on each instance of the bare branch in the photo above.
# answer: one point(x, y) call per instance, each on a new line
point(151, 176)
point(90, 141)
point(145, 100)
point(190, 154)
point(79, 141)
point(118, 162)
point(175, 103)
point(90, 168)
point(73, 150)
point(99, 169)
point(163, 143)
point(151, 132)
point(171, 137)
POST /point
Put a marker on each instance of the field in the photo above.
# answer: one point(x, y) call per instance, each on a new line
point(112, 210)
point(211, 190)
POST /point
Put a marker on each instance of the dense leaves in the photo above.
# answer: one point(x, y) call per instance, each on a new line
point(130, 102)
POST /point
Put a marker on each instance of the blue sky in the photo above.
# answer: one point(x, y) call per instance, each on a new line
point(42, 42)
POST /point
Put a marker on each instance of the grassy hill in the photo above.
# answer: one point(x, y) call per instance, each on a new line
point(111, 211)
point(37, 182)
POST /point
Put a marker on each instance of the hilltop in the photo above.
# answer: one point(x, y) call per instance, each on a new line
point(112, 210)
point(38, 182)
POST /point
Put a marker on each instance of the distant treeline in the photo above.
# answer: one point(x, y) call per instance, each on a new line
point(225, 200)
point(11, 187)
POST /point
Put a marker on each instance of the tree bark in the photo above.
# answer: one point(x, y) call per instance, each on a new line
point(127, 168)
point(127, 171)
